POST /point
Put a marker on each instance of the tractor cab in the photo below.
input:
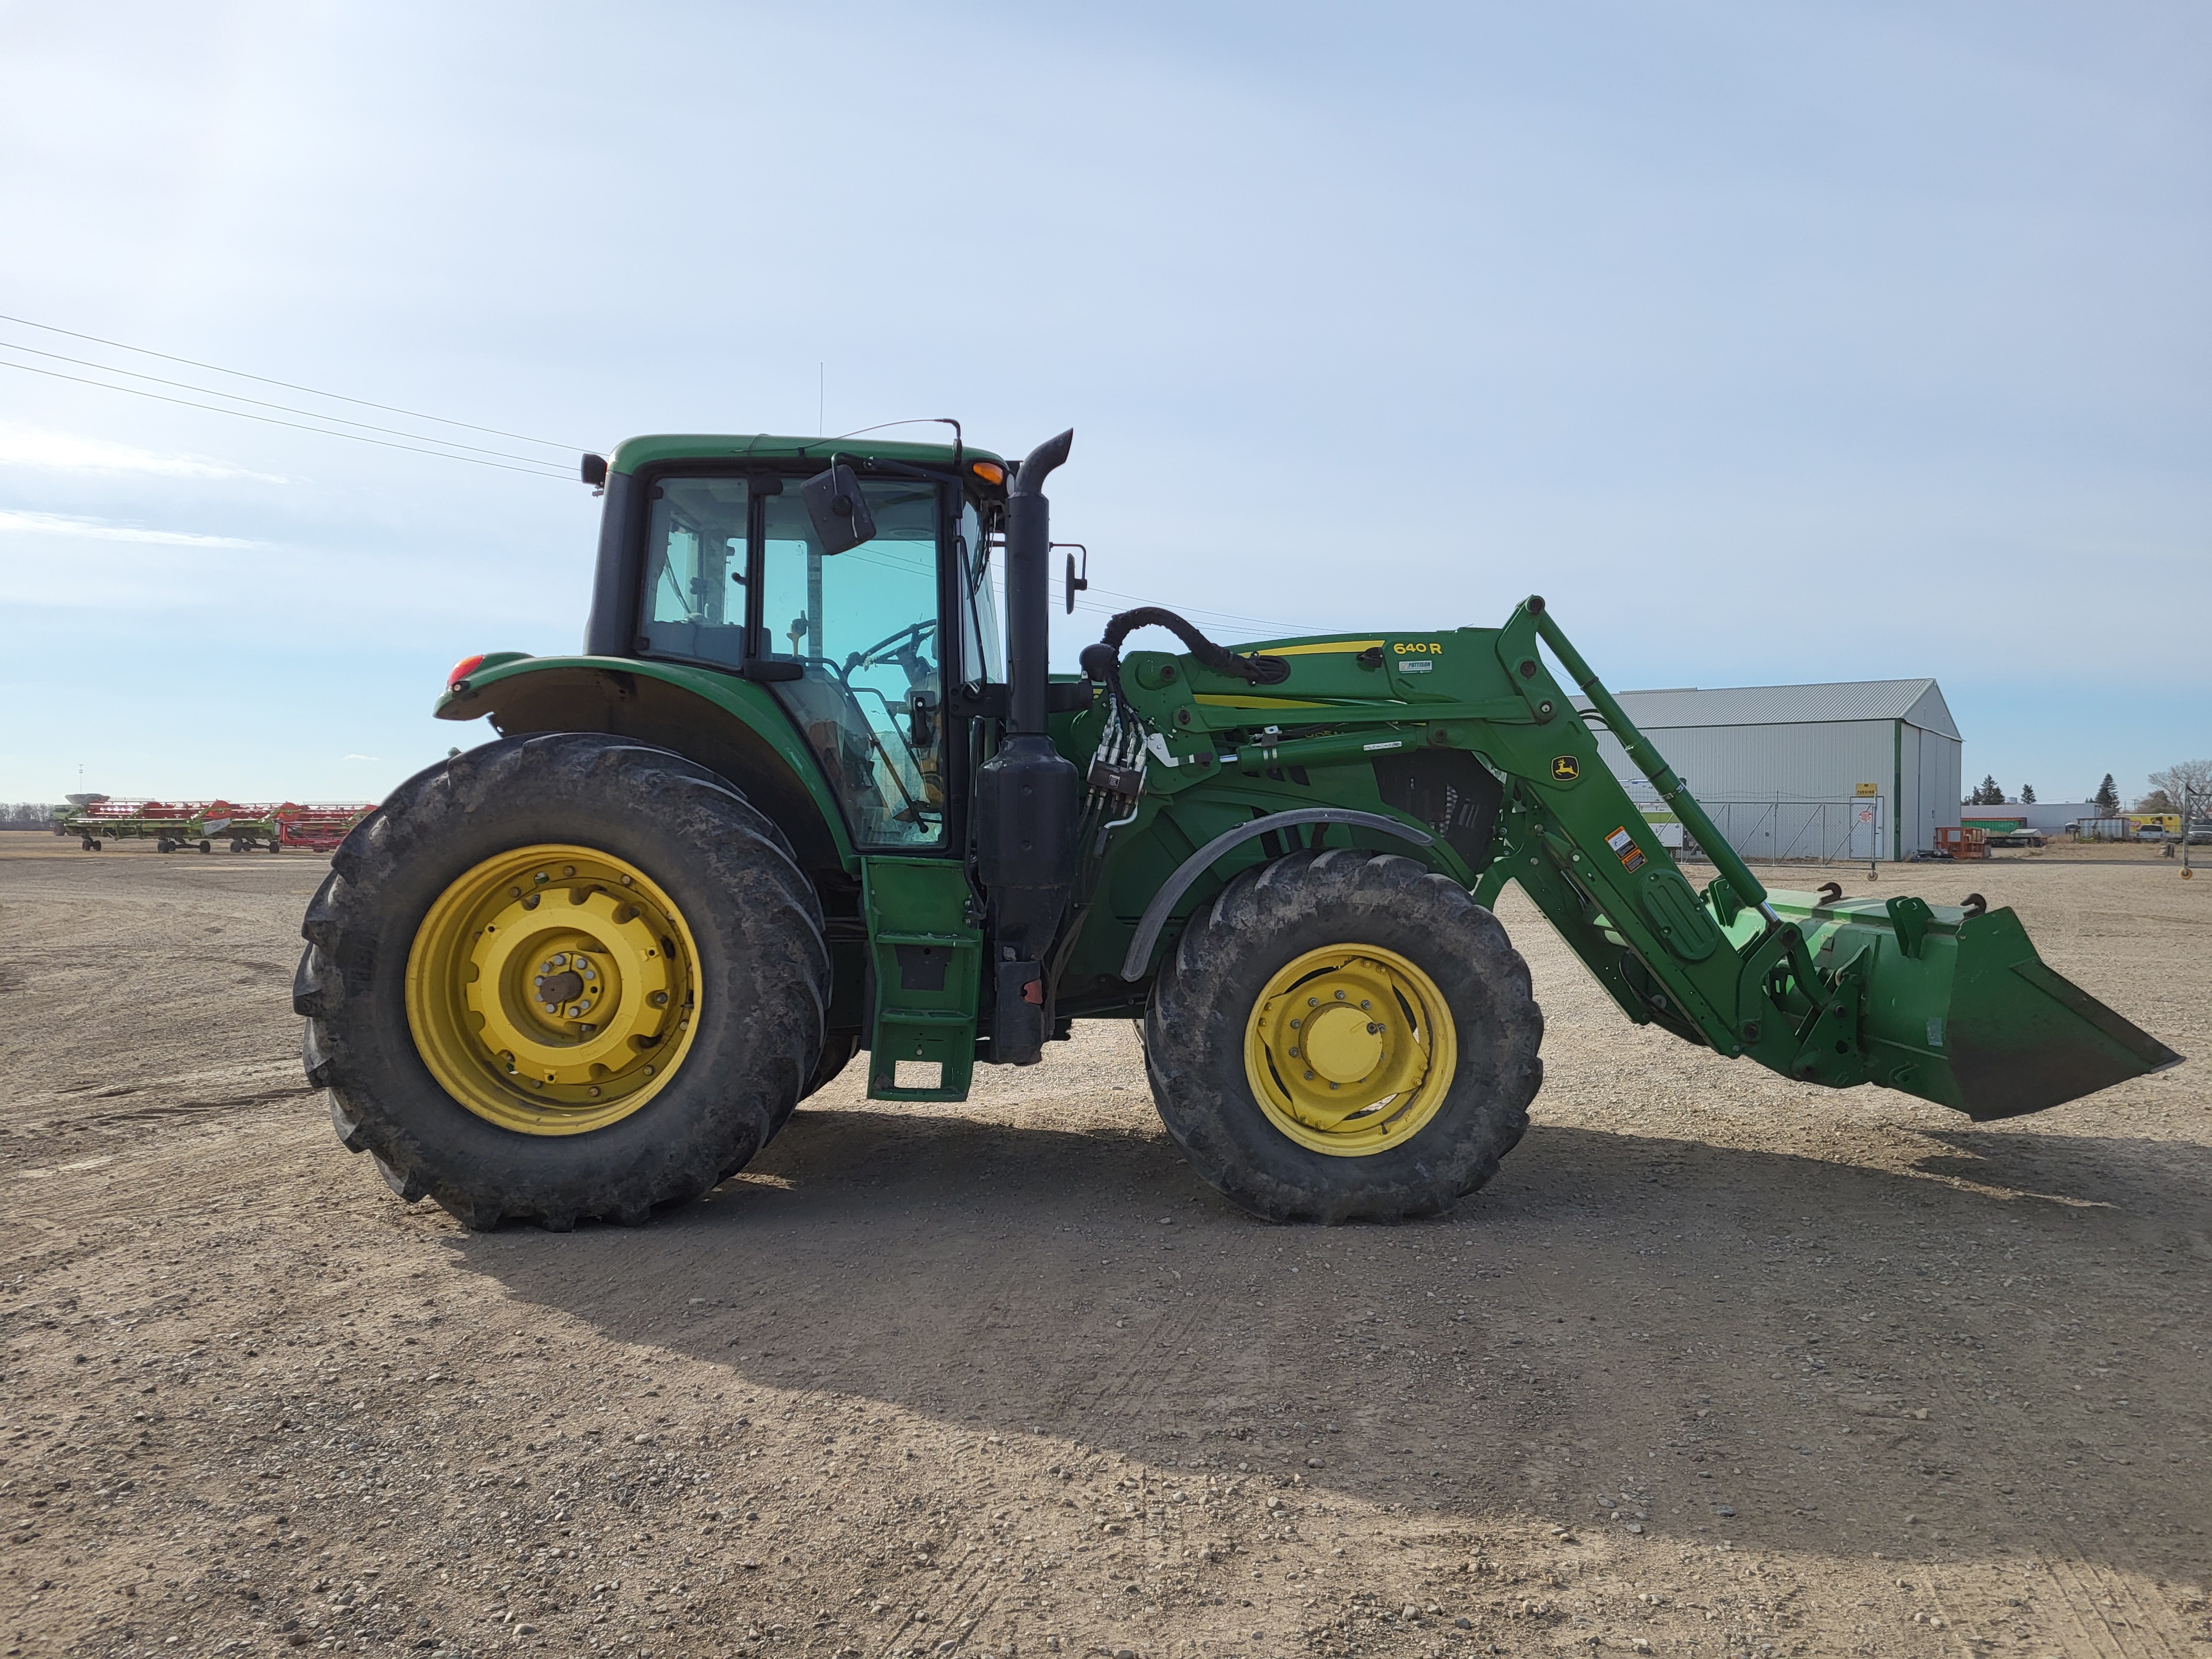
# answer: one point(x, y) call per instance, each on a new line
point(720, 561)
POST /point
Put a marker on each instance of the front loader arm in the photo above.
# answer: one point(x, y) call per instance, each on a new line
point(1584, 854)
point(1949, 1004)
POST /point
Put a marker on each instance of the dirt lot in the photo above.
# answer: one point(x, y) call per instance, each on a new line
point(1719, 1365)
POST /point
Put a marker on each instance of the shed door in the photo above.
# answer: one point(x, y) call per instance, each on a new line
point(1869, 832)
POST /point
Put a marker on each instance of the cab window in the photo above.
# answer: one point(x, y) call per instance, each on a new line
point(863, 626)
point(982, 653)
point(694, 570)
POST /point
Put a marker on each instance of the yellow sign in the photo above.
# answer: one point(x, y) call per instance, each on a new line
point(1565, 769)
point(1866, 790)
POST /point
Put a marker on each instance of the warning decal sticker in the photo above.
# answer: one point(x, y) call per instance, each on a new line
point(1625, 849)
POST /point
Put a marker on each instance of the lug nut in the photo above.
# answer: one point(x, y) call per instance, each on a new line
point(1309, 1077)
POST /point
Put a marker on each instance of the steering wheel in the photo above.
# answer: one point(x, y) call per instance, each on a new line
point(903, 646)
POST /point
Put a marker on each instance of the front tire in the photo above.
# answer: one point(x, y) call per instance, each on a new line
point(1344, 1036)
point(562, 976)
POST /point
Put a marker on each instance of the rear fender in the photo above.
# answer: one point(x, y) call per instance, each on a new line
point(721, 721)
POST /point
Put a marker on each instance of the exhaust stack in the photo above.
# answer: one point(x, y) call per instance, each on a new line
point(1028, 796)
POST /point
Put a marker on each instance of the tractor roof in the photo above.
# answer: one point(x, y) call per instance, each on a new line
point(634, 453)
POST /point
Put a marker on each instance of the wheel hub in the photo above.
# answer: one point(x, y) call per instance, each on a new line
point(1349, 1049)
point(1342, 1044)
point(550, 989)
point(568, 986)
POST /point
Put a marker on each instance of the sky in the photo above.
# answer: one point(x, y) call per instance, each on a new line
point(1770, 343)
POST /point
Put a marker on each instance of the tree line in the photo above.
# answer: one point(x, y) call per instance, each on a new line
point(26, 815)
point(2184, 786)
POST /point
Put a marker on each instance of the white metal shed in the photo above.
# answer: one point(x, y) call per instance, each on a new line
point(1855, 769)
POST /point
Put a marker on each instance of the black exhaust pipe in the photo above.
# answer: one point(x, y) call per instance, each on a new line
point(1028, 795)
point(1029, 585)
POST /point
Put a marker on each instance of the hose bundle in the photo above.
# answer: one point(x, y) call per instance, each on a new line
point(1116, 777)
point(1102, 661)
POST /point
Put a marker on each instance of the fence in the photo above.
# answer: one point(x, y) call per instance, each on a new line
point(1825, 831)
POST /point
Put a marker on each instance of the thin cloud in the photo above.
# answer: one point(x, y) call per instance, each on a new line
point(378, 759)
point(62, 451)
point(56, 524)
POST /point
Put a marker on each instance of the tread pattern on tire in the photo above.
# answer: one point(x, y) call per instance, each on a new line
point(1194, 1036)
point(752, 907)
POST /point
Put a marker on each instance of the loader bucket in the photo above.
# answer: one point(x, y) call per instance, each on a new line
point(1959, 1009)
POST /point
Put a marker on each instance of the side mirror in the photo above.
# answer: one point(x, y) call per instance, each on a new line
point(1076, 584)
point(594, 471)
point(837, 510)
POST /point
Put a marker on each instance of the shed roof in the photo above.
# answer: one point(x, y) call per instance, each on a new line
point(1917, 703)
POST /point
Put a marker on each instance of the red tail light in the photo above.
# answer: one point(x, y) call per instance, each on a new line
point(463, 669)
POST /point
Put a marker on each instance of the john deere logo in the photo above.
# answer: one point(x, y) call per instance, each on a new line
point(1565, 769)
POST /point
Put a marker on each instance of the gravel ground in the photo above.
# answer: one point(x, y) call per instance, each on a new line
point(1718, 1365)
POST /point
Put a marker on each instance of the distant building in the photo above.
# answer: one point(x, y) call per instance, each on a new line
point(2046, 816)
point(1856, 770)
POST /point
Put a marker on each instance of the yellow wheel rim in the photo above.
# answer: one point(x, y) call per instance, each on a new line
point(552, 990)
point(1350, 1050)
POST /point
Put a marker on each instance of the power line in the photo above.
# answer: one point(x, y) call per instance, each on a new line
point(289, 385)
point(268, 420)
point(263, 403)
point(1200, 609)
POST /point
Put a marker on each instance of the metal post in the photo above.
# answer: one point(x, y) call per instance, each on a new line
point(814, 607)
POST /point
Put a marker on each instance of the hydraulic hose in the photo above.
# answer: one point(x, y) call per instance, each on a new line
point(1102, 661)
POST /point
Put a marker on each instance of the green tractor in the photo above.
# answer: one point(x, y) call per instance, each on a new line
point(793, 801)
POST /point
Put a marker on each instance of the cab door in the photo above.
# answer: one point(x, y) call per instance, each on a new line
point(865, 630)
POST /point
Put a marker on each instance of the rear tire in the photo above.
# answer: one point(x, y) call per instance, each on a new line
point(837, 1054)
point(751, 980)
point(1418, 942)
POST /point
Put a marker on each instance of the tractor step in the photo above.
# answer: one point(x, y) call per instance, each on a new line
point(926, 958)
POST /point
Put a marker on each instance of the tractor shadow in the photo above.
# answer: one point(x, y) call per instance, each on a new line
point(1824, 1348)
